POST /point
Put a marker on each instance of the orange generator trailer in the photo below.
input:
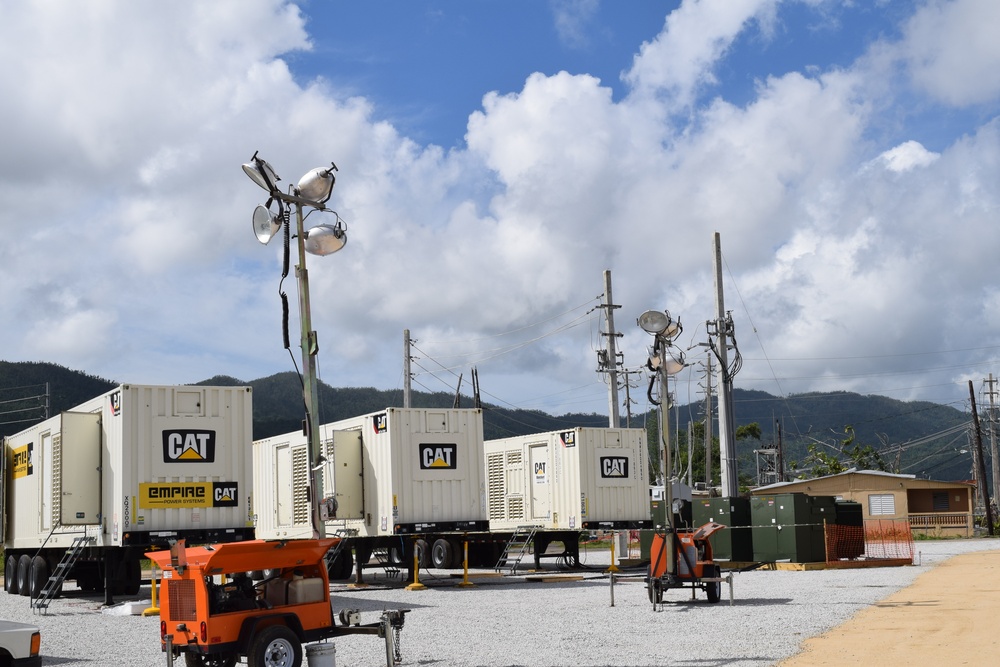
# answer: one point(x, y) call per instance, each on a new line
point(258, 599)
point(692, 564)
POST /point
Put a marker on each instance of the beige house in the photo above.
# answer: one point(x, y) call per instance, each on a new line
point(932, 507)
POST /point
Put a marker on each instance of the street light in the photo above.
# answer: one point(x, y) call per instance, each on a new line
point(665, 360)
point(312, 191)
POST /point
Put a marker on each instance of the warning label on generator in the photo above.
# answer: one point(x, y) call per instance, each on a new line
point(162, 495)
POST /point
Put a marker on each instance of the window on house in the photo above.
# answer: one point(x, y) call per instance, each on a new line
point(941, 501)
point(881, 504)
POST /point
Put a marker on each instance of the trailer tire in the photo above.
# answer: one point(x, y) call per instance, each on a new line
point(442, 554)
point(24, 575)
point(10, 575)
point(395, 555)
point(342, 566)
point(39, 575)
point(713, 589)
point(275, 646)
point(423, 551)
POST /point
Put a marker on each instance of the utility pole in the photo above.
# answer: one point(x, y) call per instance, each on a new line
point(727, 427)
point(994, 459)
point(781, 454)
point(708, 423)
point(981, 468)
point(406, 368)
point(610, 365)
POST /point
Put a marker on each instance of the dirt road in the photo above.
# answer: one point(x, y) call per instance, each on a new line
point(946, 617)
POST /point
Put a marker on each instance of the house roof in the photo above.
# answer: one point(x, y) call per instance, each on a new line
point(852, 471)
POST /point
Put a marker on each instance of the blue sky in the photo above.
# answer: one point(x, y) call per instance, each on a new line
point(496, 158)
point(427, 65)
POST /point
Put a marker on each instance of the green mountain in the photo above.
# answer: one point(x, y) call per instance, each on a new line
point(926, 439)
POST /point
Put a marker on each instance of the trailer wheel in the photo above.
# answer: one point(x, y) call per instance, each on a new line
point(39, 575)
point(10, 575)
point(423, 553)
point(442, 554)
point(24, 575)
point(342, 566)
point(275, 646)
point(217, 660)
point(713, 589)
point(395, 555)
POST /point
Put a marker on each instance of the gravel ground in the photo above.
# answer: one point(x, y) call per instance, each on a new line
point(506, 622)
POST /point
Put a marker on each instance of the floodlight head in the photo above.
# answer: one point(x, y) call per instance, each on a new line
point(654, 321)
point(325, 239)
point(674, 361)
point(265, 224)
point(317, 184)
point(261, 173)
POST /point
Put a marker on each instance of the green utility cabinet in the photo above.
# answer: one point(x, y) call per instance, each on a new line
point(789, 527)
point(735, 542)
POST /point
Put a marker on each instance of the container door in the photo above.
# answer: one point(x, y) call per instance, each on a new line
point(283, 486)
point(348, 482)
point(80, 469)
point(538, 455)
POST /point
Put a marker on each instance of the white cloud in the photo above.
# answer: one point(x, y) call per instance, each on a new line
point(952, 50)
point(134, 257)
point(680, 61)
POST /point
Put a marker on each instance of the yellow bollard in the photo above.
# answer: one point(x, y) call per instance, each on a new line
point(613, 568)
point(416, 585)
point(465, 567)
point(152, 610)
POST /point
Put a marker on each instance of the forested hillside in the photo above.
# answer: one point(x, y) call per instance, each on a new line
point(926, 439)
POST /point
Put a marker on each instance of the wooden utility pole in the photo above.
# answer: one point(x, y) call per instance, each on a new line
point(982, 464)
point(708, 423)
point(406, 368)
point(994, 459)
point(612, 352)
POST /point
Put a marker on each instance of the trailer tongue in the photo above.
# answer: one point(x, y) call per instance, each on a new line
point(214, 610)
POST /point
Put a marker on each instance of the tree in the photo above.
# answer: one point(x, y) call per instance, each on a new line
point(853, 455)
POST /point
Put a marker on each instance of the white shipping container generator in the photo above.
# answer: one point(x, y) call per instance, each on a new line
point(397, 471)
point(90, 490)
point(580, 479)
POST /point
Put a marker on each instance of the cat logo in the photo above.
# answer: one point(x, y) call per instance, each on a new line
point(438, 457)
point(615, 467)
point(188, 446)
point(116, 403)
point(225, 494)
point(568, 438)
point(380, 423)
point(23, 465)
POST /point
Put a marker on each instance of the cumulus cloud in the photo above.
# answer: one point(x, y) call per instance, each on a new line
point(848, 244)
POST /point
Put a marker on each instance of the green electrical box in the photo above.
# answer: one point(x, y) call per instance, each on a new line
point(735, 542)
point(790, 527)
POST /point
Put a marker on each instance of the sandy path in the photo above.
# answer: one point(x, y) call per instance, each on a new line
point(948, 616)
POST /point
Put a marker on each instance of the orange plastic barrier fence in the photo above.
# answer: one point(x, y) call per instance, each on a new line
point(879, 539)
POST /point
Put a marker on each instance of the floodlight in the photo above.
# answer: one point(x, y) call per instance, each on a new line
point(325, 239)
point(261, 173)
point(674, 361)
point(317, 184)
point(654, 321)
point(265, 224)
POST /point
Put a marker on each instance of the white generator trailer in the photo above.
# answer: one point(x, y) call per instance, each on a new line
point(403, 479)
point(563, 483)
point(136, 468)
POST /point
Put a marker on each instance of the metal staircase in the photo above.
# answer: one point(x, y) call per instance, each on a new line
point(516, 548)
point(58, 576)
point(381, 556)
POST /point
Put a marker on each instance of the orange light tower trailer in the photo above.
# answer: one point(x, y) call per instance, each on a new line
point(213, 610)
